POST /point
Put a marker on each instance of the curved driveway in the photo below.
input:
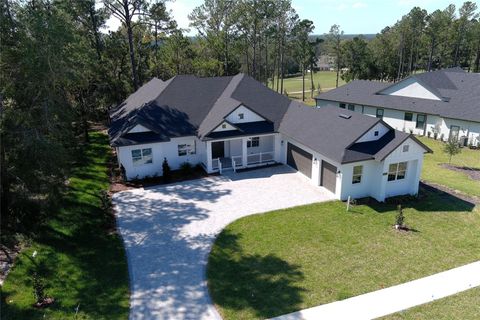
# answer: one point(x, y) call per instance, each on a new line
point(168, 232)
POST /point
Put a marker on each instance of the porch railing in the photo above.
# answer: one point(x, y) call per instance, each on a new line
point(217, 165)
point(259, 158)
point(236, 162)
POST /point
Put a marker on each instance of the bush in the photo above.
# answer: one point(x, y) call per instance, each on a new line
point(106, 201)
point(451, 148)
point(400, 218)
point(38, 288)
point(167, 172)
point(186, 169)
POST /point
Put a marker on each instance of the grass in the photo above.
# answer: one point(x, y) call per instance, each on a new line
point(433, 172)
point(293, 86)
point(464, 305)
point(79, 255)
point(271, 264)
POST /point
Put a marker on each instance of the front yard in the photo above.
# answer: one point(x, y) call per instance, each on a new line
point(78, 253)
point(275, 263)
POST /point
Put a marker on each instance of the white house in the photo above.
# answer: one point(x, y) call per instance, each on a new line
point(440, 104)
point(230, 123)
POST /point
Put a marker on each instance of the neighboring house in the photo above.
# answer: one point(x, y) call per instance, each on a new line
point(442, 104)
point(228, 123)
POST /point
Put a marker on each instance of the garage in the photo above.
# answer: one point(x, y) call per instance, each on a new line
point(299, 159)
point(328, 176)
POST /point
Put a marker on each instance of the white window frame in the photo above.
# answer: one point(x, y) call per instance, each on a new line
point(185, 149)
point(397, 171)
point(254, 142)
point(241, 116)
point(357, 177)
point(142, 156)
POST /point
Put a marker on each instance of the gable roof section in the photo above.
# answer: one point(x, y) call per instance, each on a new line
point(460, 91)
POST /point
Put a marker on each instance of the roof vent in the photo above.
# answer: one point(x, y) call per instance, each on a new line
point(345, 116)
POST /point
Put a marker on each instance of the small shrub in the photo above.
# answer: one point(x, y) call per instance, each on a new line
point(451, 148)
point(186, 169)
point(400, 218)
point(106, 201)
point(435, 135)
point(38, 288)
point(429, 134)
point(442, 136)
point(167, 172)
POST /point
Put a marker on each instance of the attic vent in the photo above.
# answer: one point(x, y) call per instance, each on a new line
point(345, 116)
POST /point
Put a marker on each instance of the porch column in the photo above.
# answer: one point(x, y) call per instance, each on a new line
point(244, 152)
point(209, 156)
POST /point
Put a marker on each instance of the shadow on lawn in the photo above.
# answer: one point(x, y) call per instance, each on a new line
point(430, 199)
point(264, 284)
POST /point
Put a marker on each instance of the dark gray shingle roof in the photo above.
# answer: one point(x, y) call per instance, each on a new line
point(460, 92)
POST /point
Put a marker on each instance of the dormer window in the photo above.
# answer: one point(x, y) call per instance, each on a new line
point(406, 147)
point(224, 126)
point(375, 133)
point(240, 116)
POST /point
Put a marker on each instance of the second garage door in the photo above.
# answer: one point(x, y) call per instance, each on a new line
point(299, 159)
point(329, 176)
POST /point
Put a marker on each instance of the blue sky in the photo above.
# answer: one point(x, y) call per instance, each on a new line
point(353, 16)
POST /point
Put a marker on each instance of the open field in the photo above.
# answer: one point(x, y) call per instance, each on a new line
point(434, 172)
point(320, 253)
point(78, 253)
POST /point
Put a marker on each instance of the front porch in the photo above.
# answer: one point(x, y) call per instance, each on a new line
point(240, 153)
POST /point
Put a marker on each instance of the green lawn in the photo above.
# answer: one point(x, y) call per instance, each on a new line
point(271, 264)
point(78, 253)
point(465, 305)
point(433, 172)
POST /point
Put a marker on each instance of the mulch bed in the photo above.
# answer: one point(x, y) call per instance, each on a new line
point(473, 173)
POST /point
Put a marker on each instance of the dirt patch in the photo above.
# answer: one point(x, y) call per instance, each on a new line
point(7, 256)
point(473, 173)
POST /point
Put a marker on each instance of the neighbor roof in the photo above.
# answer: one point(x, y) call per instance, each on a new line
point(459, 91)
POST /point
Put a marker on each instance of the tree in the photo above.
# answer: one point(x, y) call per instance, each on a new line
point(302, 47)
point(334, 39)
point(125, 11)
point(357, 59)
point(451, 148)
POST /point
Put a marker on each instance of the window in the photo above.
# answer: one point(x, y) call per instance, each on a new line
point(397, 171)
point(342, 105)
point(375, 133)
point(186, 149)
point(240, 116)
point(351, 107)
point(254, 142)
point(380, 113)
point(357, 174)
point(420, 121)
point(224, 126)
point(142, 156)
point(408, 116)
point(406, 147)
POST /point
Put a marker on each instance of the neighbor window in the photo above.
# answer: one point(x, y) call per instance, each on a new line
point(397, 171)
point(254, 142)
point(380, 113)
point(351, 107)
point(406, 147)
point(408, 116)
point(186, 149)
point(142, 156)
point(357, 174)
point(420, 121)
point(342, 105)
point(240, 116)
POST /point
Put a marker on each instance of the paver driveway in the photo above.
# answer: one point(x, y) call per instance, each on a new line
point(168, 232)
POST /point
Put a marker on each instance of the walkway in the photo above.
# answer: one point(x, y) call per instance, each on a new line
point(397, 298)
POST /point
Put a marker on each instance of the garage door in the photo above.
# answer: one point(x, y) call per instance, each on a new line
point(329, 176)
point(299, 159)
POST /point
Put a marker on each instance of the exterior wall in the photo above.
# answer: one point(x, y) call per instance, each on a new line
point(410, 88)
point(160, 150)
point(228, 127)
point(370, 135)
point(266, 144)
point(248, 116)
point(139, 128)
point(372, 172)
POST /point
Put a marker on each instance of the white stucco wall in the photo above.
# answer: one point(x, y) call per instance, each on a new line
point(368, 187)
point(248, 116)
point(410, 88)
point(139, 128)
point(228, 127)
point(370, 134)
point(159, 151)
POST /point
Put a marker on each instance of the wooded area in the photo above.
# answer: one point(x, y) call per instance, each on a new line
point(60, 71)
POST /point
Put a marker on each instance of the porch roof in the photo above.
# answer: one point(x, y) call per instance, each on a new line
point(244, 129)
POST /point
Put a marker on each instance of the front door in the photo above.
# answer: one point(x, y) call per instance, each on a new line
point(454, 132)
point(218, 149)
